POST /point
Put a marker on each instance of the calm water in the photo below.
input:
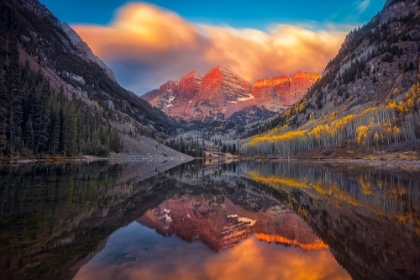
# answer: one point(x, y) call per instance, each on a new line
point(248, 220)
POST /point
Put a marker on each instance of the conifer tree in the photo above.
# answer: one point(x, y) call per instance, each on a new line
point(15, 104)
point(4, 100)
point(28, 135)
point(73, 136)
point(54, 130)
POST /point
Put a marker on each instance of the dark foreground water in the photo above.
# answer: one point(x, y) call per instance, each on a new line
point(252, 220)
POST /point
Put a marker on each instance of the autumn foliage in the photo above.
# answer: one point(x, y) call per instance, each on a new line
point(397, 122)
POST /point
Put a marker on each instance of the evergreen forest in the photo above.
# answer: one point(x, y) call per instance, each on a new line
point(35, 120)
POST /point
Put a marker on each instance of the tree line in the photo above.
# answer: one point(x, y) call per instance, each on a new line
point(225, 148)
point(191, 148)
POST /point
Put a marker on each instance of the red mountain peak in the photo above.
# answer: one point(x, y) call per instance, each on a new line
point(220, 93)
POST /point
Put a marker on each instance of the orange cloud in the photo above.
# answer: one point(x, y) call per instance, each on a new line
point(286, 49)
point(151, 45)
point(250, 259)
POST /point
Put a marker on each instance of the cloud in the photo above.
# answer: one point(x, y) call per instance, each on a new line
point(361, 6)
point(250, 259)
point(146, 45)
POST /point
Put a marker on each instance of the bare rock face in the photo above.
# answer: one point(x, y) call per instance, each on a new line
point(189, 87)
point(219, 90)
point(163, 97)
point(84, 51)
point(220, 94)
point(282, 92)
point(173, 97)
point(221, 224)
point(150, 95)
point(394, 9)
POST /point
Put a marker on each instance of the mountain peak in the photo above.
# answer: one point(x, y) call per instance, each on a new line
point(221, 93)
point(220, 69)
point(193, 74)
point(171, 83)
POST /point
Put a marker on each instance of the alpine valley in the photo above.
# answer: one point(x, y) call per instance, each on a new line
point(58, 98)
point(218, 175)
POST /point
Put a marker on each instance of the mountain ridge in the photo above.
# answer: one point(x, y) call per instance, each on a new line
point(220, 93)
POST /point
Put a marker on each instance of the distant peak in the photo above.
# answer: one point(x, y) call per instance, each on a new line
point(193, 73)
point(220, 71)
point(306, 75)
point(169, 84)
point(281, 76)
point(220, 68)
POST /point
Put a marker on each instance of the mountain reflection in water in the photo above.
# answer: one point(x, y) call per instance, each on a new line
point(249, 220)
point(137, 252)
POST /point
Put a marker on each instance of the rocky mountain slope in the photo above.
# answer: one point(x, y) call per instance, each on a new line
point(172, 97)
point(46, 45)
point(282, 92)
point(220, 94)
point(368, 96)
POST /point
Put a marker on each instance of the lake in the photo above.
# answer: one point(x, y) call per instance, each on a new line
point(200, 220)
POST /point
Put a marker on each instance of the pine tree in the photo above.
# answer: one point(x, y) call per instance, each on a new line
point(40, 117)
point(4, 112)
point(28, 135)
point(15, 104)
point(64, 130)
point(181, 146)
point(73, 148)
point(224, 148)
point(54, 130)
point(115, 144)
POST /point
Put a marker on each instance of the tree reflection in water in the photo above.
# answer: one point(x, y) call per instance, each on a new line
point(56, 218)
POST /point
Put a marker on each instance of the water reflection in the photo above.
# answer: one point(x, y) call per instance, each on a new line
point(369, 217)
point(220, 223)
point(264, 219)
point(152, 256)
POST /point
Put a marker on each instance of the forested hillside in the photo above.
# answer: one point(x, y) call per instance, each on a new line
point(368, 97)
point(36, 120)
point(57, 97)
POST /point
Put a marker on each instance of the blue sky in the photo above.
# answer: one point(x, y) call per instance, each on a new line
point(240, 14)
point(148, 43)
